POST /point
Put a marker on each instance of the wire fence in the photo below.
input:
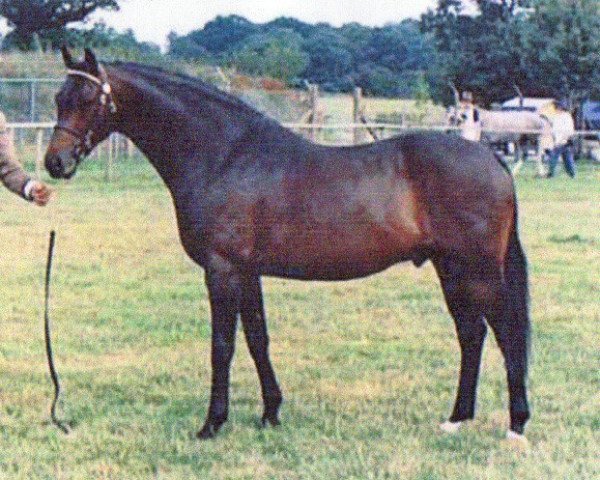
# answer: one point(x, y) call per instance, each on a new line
point(325, 119)
point(29, 99)
point(31, 140)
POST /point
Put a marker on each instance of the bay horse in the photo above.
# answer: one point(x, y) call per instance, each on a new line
point(253, 198)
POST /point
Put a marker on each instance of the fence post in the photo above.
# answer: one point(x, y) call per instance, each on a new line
point(39, 155)
point(130, 148)
point(314, 106)
point(109, 160)
point(356, 101)
point(32, 104)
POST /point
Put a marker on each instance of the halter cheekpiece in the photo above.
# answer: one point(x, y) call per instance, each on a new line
point(84, 141)
point(105, 88)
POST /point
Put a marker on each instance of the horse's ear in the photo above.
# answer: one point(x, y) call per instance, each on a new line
point(67, 57)
point(91, 61)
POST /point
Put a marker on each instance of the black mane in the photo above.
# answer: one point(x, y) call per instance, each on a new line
point(182, 85)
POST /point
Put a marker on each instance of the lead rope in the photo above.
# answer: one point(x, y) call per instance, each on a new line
point(47, 334)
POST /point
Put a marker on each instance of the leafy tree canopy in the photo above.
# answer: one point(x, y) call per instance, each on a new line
point(384, 61)
point(546, 47)
point(33, 19)
point(277, 55)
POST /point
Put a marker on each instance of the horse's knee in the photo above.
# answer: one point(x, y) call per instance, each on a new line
point(471, 334)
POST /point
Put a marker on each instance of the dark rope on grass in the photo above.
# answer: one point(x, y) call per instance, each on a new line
point(47, 330)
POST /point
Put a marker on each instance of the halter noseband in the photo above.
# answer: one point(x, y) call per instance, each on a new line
point(84, 141)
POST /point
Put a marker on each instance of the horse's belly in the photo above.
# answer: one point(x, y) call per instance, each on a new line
point(346, 270)
point(336, 252)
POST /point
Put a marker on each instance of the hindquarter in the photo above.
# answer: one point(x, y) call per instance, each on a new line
point(468, 195)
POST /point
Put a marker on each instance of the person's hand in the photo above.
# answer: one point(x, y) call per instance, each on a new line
point(40, 193)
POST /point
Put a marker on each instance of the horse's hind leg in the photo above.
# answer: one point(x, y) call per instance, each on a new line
point(500, 294)
point(471, 331)
point(509, 318)
point(255, 329)
point(519, 159)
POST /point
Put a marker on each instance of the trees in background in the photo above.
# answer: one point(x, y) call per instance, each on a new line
point(546, 47)
point(46, 24)
point(276, 55)
point(566, 40)
point(386, 61)
point(480, 52)
point(34, 21)
point(121, 45)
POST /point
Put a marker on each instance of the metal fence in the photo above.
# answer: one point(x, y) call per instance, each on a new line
point(28, 99)
point(31, 139)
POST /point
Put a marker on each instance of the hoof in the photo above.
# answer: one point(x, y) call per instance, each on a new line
point(450, 427)
point(211, 427)
point(516, 442)
point(516, 437)
point(208, 431)
point(270, 420)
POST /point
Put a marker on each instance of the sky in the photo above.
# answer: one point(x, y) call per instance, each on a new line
point(152, 20)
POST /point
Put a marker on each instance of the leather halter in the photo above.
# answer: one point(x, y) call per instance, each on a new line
point(84, 140)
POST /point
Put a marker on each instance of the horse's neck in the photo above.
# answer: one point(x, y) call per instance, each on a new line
point(180, 145)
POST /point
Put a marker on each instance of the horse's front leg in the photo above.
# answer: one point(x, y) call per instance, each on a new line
point(224, 289)
point(255, 328)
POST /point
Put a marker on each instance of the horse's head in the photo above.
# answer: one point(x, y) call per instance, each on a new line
point(461, 114)
point(85, 105)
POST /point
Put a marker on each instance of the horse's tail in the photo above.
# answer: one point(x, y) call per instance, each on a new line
point(517, 286)
point(504, 165)
point(515, 333)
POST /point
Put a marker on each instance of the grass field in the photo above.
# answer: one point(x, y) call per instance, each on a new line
point(368, 367)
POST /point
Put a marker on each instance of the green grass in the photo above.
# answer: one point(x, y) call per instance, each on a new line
point(368, 367)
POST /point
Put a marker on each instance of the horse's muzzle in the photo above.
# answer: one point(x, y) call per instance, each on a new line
point(61, 164)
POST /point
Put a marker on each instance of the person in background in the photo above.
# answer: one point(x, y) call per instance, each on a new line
point(14, 177)
point(563, 130)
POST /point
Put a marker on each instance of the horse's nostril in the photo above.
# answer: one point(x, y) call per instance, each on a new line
point(51, 161)
point(53, 164)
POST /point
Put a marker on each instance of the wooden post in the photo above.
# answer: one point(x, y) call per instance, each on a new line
point(356, 116)
point(109, 160)
point(32, 101)
point(314, 106)
point(130, 148)
point(39, 153)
